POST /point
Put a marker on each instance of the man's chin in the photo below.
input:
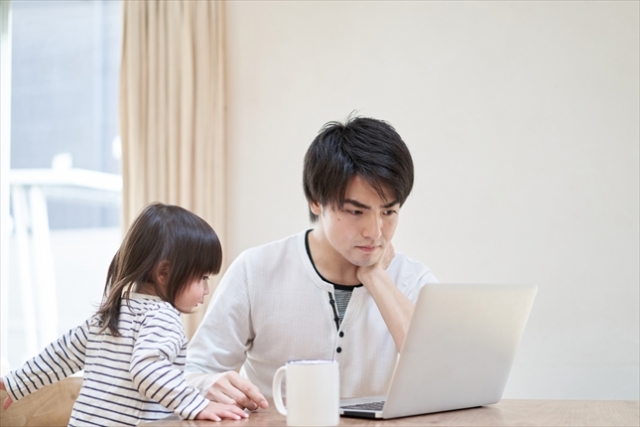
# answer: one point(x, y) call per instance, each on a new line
point(363, 261)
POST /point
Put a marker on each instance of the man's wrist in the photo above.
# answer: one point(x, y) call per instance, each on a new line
point(372, 277)
point(202, 381)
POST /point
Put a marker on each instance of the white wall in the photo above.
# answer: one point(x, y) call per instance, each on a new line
point(523, 122)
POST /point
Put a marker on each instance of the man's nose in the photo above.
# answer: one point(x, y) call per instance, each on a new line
point(373, 227)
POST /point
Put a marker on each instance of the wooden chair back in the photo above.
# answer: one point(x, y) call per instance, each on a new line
point(49, 406)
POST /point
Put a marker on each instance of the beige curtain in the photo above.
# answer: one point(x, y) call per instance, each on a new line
point(172, 111)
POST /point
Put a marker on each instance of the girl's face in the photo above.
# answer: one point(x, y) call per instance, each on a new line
point(193, 294)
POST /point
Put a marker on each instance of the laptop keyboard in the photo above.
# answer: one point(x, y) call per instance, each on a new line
point(371, 406)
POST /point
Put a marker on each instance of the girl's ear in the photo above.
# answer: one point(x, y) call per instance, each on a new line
point(161, 273)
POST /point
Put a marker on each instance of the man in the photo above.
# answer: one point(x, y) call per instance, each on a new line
point(338, 291)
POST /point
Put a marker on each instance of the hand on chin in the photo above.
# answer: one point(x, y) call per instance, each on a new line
point(375, 261)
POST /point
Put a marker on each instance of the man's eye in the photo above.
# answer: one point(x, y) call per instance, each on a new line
point(352, 211)
point(205, 277)
point(389, 213)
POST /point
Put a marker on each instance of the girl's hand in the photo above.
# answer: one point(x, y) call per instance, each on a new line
point(217, 411)
point(8, 401)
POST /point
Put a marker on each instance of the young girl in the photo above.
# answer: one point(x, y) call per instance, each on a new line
point(133, 349)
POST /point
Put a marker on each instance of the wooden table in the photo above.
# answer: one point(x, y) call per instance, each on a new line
point(505, 413)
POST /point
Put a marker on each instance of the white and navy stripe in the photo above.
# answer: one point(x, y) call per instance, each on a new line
point(135, 377)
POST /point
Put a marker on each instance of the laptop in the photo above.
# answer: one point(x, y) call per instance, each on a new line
point(458, 351)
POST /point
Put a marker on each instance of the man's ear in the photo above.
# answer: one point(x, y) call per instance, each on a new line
point(161, 273)
point(316, 208)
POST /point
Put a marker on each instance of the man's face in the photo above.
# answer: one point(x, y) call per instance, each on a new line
point(361, 229)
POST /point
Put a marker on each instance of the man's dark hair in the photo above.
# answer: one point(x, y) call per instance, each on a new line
point(368, 148)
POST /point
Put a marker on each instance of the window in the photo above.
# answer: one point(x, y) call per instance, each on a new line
point(64, 217)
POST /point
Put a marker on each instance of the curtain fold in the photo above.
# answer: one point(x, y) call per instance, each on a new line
point(172, 111)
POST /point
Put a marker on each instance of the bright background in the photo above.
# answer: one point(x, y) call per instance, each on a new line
point(522, 118)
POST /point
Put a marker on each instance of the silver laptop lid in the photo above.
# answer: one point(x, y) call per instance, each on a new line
point(459, 348)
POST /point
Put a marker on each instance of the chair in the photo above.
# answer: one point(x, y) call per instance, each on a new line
point(49, 406)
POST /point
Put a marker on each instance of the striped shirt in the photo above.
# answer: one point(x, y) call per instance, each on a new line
point(129, 379)
point(342, 297)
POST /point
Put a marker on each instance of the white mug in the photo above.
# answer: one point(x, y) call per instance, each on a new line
point(313, 392)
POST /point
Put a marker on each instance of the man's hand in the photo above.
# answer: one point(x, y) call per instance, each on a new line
point(232, 389)
point(8, 401)
point(381, 265)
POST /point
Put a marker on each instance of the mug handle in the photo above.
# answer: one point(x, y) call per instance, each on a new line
point(277, 390)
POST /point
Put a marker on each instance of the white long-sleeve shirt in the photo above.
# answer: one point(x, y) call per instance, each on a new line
point(272, 306)
point(135, 377)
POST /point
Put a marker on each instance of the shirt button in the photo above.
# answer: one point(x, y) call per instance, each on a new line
point(341, 334)
point(339, 349)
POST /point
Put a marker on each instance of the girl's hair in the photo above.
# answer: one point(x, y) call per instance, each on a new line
point(160, 233)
